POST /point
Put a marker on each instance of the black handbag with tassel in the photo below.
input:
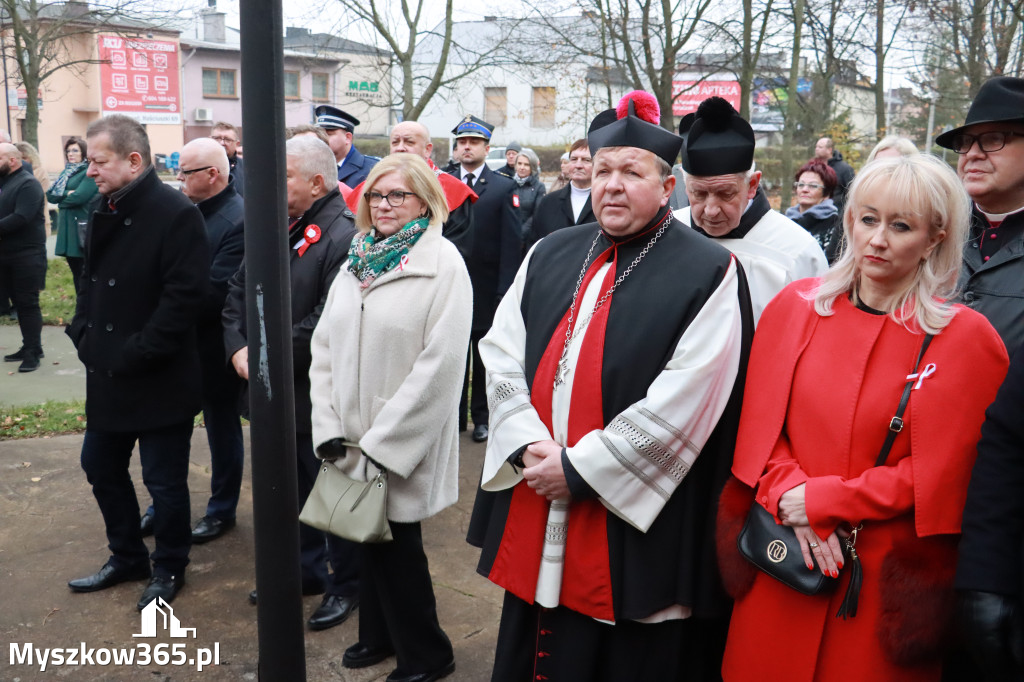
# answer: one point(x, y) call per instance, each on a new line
point(774, 548)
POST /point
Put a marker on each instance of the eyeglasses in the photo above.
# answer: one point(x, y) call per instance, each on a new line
point(988, 142)
point(185, 173)
point(808, 185)
point(395, 197)
point(221, 138)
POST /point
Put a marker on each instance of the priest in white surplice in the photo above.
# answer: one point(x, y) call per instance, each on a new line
point(728, 204)
point(614, 369)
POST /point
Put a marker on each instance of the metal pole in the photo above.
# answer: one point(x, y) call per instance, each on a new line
point(271, 382)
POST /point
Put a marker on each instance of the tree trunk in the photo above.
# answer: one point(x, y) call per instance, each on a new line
point(791, 106)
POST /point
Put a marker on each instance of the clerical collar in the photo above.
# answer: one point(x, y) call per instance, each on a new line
point(996, 218)
point(756, 209)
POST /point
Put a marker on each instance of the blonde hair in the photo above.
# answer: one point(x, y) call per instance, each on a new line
point(421, 180)
point(929, 188)
point(901, 144)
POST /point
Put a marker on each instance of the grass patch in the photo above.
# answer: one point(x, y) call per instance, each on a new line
point(57, 300)
point(52, 418)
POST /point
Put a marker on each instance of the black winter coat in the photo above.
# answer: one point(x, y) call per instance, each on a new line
point(497, 244)
point(224, 215)
point(22, 225)
point(555, 212)
point(147, 268)
point(526, 197)
point(311, 275)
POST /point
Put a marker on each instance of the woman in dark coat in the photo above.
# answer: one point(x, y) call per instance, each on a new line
point(814, 210)
point(72, 191)
point(529, 190)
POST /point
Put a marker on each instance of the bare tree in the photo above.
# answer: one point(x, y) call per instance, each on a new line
point(40, 40)
point(423, 50)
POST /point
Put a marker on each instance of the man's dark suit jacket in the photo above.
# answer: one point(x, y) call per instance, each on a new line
point(555, 212)
point(497, 243)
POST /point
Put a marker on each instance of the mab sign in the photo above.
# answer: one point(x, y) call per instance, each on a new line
point(369, 90)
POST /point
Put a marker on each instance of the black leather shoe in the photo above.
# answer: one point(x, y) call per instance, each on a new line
point(146, 524)
point(480, 433)
point(333, 610)
point(443, 671)
point(164, 586)
point(20, 355)
point(108, 576)
point(210, 528)
point(30, 361)
point(361, 656)
point(308, 590)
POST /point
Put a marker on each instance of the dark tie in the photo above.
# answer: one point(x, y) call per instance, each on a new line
point(469, 179)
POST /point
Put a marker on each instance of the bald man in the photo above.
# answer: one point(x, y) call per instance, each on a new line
point(22, 252)
point(205, 179)
point(412, 137)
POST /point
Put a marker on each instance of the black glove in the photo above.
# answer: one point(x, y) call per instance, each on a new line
point(992, 627)
point(331, 449)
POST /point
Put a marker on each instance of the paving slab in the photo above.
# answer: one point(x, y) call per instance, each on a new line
point(51, 531)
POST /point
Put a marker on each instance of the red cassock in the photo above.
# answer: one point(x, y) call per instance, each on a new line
point(820, 393)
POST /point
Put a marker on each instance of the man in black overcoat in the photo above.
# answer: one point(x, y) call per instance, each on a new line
point(146, 270)
point(320, 231)
point(205, 179)
point(22, 252)
point(569, 205)
point(495, 256)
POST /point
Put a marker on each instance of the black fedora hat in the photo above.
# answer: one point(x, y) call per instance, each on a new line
point(999, 100)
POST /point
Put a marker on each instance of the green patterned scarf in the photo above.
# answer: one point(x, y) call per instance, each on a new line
point(368, 258)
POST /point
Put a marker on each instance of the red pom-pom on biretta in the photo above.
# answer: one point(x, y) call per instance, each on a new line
point(645, 106)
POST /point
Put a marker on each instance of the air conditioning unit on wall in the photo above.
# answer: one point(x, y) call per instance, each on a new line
point(203, 114)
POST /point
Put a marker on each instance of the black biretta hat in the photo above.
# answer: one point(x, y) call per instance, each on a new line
point(718, 142)
point(630, 130)
point(998, 100)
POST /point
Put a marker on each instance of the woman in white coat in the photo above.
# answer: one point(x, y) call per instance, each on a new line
point(387, 374)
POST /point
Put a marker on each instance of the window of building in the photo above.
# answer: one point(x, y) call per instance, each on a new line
point(495, 105)
point(321, 85)
point(219, 83)
point(291, 85)
point(544, 107)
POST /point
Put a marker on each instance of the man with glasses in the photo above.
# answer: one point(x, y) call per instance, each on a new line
point(728, 205)
point(990, 146)
point(204, 178)
point(569, 205)
point(226, 135)
point(320, 230)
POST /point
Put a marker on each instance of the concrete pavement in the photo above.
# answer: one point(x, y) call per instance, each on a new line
point(51, 531)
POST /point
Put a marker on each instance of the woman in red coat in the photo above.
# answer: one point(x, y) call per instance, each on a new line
point(829, 363)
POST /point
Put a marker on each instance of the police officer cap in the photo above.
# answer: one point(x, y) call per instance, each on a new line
point(329, 118)
point(471, 126)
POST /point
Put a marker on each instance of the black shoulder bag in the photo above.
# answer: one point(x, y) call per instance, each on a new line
point(774, 548)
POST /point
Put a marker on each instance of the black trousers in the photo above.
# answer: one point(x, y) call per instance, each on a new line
point(23, 280)
point(397, 608)
point(561, 645)
point(316, 547)
point(164, 455)
point(76, 263)
point(474, 368)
